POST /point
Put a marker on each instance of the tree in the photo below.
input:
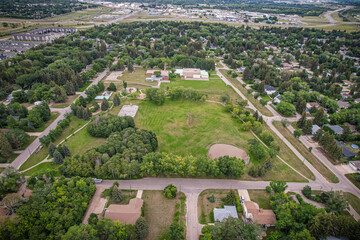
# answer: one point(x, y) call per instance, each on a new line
point(58, 158)
point(156, 95)
point(224, 98)
point(142, 228)
point(248, 75)
point(286, 109)
point(307, 191)
point(130, 67)
point(116, 194)
point(116, 100)
point(278, 186)
point(104, 105)
point(52, 149)
point(17, 138)
point(261, 87)
point(301, 105)
point(230, 198)
point(319, 117)
point(10, 181)
point(302, 121)
point(307, 130)
point(336, 202)
point(124, 84)
point(170, 191)
point(256, 115)
point(11, 202)
point(157, 73)
point(112, 87)
point(66, 151)
point(176, 232)
point(5, 147)
point(346, 133)
point(297, 133)
point(234, 228)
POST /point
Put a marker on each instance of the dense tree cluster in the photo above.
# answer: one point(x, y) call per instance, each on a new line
point(103, 126)
point(10, 181)
point(52, 209)
point(177, 93)
point(56, 132)
point(17, 138)
point(328, 142)
point(156, 95)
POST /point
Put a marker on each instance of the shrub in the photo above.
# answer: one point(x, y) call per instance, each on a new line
point(170, 191)
point(211, 198)
point(268, 189)
point(142, 228)
point(307, 191)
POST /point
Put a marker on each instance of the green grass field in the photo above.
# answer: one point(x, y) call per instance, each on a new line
point(190, 128)
point(353, 201)
point(213, 88)
point(261, 197)
point(41, 168)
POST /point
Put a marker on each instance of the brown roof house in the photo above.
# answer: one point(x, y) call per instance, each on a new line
point(251, 210)
point(127, 214)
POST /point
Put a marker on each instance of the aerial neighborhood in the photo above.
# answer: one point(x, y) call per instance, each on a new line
point(179, 120)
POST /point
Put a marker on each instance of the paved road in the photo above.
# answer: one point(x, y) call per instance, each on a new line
point(36, 143)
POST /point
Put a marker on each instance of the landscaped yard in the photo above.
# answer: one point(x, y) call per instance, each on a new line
point(126, 194)
point(213, 88)
point(159, 212)
point(249, 96)
point(190, 128)
point(261, 197)
point(206, 208)
point(65, 104)
point(328, 174)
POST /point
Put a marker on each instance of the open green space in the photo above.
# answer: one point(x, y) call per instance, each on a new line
point(75, 124)
point(137, 77)
point(190, 128)
point(84, 15)
point(261, 197)
point(206, 208)
point(67, 102)
point(41, 168)
point(159, 212)
point(323, 170)
point(86, 84)
point(213, 88)
point(82, 141)
point(12, 157)
point(353, 201)
point(249, 96)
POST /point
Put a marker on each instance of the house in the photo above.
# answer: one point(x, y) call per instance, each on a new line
point(347, 153)
point(221, 213)
point(357, 100)
point(252, 212)
point(343, 105)
point(269, 89)
point(337, 129)
point(257, 80)
point(277, 97)
point(345, 95)
point(37, 103)
point(314, 129)
point(313, 104)
point(127, 214)
point(355, 165)
point(192, 74)
point(352, 127)
point(163, 74)
point(348, 83)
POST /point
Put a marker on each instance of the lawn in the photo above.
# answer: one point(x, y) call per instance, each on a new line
point(206, 208)
point(353, 201)
point(75, 123)
point(190, 128)
point(82, 141)
point(126, 194)
point(261, 197)
point(249, 96)
point(136, 77)
point(159, 212)
point(86, 84)
point(65, 104)
point(41, 168)
point(12, 157)
point(213, 88)
point(323, 170)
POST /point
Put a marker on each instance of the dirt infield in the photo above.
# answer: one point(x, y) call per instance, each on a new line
point(219, 150)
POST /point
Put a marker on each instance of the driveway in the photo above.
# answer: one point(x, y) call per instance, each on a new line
point(97, 204)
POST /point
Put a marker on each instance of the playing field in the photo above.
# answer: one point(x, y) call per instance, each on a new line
point(190, 128)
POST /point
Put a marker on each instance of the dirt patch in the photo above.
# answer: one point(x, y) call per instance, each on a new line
point(219, 150)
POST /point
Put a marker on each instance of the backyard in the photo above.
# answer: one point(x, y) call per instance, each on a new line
point(159, 212)
point(206, 208)
point(261, 197)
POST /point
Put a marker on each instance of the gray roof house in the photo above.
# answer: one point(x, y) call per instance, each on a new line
point(221, 213)
point(314, 129)
point(269, 89)
point(337, 129)
point(347, 153)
